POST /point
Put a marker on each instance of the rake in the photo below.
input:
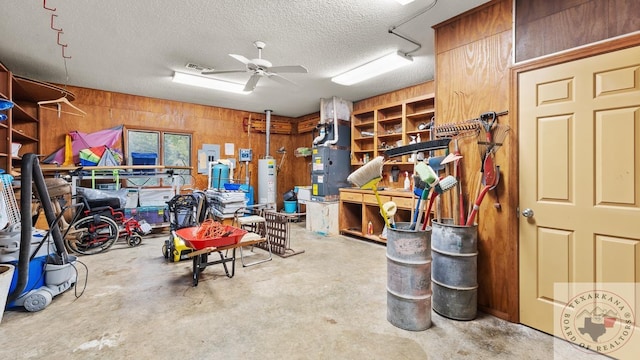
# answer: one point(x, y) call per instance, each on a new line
point(457, 131)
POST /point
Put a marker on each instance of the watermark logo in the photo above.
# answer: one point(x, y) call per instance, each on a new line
point(598, 320)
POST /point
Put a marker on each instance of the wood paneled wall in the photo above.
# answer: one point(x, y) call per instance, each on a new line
point(395, 96)
point(473, 75)
point(473, 59)
point(548, 26)
point(208, 124)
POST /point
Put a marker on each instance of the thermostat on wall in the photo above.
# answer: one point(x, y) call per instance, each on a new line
point(245, 154)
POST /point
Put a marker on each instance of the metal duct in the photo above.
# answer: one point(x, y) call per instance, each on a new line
point(268, 129)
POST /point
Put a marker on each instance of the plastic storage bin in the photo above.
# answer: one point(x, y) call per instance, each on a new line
point(144, 159)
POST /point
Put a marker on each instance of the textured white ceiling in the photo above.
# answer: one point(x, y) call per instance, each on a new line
point(134, 47)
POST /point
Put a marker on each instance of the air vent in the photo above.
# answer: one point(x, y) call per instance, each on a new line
point(196, 67)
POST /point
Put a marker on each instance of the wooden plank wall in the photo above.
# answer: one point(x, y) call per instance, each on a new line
point(473, 58)
point(473, 70)
point(208, 124)
point(579, 21)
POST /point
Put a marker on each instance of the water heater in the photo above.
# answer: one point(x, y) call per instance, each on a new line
point(267, 185)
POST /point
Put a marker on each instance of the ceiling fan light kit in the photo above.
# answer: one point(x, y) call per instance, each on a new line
point(374, 68)
point(210, 83)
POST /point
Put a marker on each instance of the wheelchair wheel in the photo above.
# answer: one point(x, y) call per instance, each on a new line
point(92, 234)
point(134, 240)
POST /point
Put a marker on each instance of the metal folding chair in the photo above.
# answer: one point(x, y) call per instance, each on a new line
point(250, 218)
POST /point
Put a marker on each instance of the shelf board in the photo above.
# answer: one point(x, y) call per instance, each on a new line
point(17, 135)
point(416, 132)
point(364, 138)
point(391, 119)
point(387, 136)
point(364, 124)
point(421, 114)
point(20, 114)
point(34, 90)
point(351, 232)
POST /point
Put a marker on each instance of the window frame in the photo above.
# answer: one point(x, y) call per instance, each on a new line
point(185, 170)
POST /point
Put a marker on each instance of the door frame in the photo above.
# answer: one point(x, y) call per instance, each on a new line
point(600, 48)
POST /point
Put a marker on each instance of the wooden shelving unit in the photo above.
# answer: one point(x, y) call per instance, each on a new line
point(23, 120)
point(390, 125)
point(373, 130)
point(358, 207)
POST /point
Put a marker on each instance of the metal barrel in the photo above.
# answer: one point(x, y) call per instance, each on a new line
point(409, 277)
point(454, 273)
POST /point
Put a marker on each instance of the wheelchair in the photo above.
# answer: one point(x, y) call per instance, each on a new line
point(98, 224)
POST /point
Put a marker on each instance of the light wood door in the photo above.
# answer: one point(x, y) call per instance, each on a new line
point(580, 178)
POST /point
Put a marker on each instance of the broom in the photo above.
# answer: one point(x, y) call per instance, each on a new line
point(419, 190)
point(445, 184)
point(367, 177)
point(428, 176)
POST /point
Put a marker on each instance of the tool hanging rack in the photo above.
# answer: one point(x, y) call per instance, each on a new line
point(450, 130)
point(462, 129)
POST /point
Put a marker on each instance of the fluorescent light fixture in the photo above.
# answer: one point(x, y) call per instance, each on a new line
point(372, 69)
point(205, 82)
point(404, 2)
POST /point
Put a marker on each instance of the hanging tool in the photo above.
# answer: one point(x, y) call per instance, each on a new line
point(490, 173)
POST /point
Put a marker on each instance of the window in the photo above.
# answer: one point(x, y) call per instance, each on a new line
point(172, 148)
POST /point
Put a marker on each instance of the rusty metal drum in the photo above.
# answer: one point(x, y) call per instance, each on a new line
point(409, 277)
point(454, 271)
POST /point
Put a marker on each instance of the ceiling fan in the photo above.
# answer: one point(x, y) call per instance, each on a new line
point(260, 67)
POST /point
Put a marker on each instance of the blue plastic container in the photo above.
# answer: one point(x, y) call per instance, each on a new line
point(144, 159)
point(248, 190)
point(219, 176)
point(290, 206)
point(231, 186)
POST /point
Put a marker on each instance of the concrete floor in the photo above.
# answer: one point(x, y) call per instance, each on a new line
point(326, 303)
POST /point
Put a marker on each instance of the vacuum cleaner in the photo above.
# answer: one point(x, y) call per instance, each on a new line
point(43, 268)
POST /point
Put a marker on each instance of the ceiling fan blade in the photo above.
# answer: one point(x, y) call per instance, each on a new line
point(251, 84)
point(240, 58)
point(211, 72)
point(281, 79)
point(289, 69)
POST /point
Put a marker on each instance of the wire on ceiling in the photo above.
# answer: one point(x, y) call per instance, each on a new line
point(393, 28)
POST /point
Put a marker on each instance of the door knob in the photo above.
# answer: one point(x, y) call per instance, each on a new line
point(527, 213)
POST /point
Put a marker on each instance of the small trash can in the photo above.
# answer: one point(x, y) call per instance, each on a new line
point(290, 206)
